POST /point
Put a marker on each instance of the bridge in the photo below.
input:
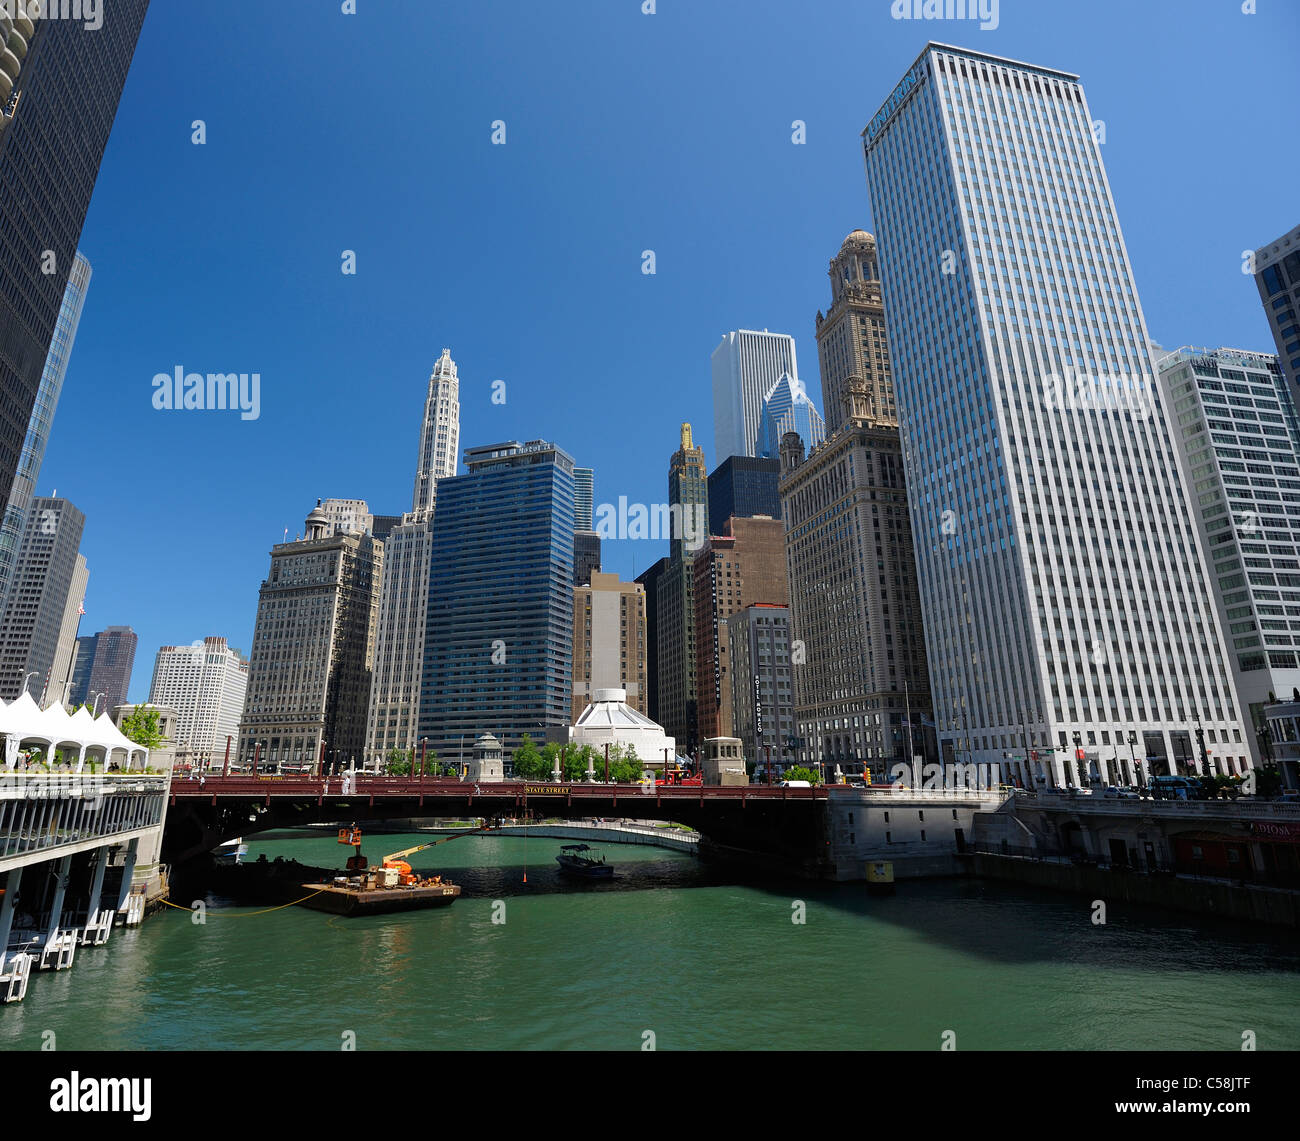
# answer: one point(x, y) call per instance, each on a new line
point(790, 824)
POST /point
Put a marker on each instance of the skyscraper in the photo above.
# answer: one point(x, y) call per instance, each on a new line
point(787, 408)
point(762, 698)
point(110, 668)
point(851, 338)
point(1277, 276)
point(586, 542)
point(55, 120)
point(394, 716)
point(649, 580)
point(38, 426)
point(44, 575)
point(584, 491)
point(1239, 438)
point(347, 516)
point(609, 641)
point(675, 606)
point(860, 668)
point(440, 435)
point(206, 684)
point(744, 485)
point(732, 571)
point(313, 651)
point(746, 365)
point(1062, 580)
point(66, 652)
point(499, 636)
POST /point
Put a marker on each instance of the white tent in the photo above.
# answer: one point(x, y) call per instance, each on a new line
point(25, 724)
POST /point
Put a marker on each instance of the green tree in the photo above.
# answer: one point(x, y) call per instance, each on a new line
point(528, 761)
point(398, 761)
point(798, 772)
point(141, 726)
point(625, 772)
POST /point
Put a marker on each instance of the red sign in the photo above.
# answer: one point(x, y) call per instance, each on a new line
point(1281, 830)
point(1078, 755)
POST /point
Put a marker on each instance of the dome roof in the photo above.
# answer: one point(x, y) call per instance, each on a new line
point(857, 236)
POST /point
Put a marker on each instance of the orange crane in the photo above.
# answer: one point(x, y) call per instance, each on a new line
point(397, 860)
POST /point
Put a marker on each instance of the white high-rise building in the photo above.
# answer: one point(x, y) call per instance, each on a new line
point(1240, 444)
point(746, 366)
point(1063, 584)
point(205, 683)
point(404, 597)
point(440, 435)
point(348, 516)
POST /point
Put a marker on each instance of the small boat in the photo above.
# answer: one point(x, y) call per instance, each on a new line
point(573, 862)
point(231, 852)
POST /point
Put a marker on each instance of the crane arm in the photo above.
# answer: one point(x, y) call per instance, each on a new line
point(434, 843)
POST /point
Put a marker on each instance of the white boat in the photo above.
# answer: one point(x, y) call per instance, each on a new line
point(231, 852)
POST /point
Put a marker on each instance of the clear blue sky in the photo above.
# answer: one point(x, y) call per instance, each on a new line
point(625, 132)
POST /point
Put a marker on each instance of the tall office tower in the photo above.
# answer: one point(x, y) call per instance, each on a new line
point(394, 718)
point(649, 580)
point(110, 669)
point(347, 516)
point(1277, 276)
point(1062, 581)
point(854, 601)
point(55, 119)
point(206, 684)
point(609, 641)
point(1239, 440)
point(440, 435)
point(33, 618)
point(499, 640)
point(77, 684)
point(586, 556)
point(42, 417)
point(744, 485)
point(381, 526)
point(762, 697)
point(65, 653)
point(584, 492)
point(851, 338)
point(732, 571)
point(313, 651)
point(688, 489)
point(746, 365)
point(787, 408)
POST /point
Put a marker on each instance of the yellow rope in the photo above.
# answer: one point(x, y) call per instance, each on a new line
point(247, 914)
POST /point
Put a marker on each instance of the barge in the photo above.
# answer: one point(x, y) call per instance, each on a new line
point(371, 895)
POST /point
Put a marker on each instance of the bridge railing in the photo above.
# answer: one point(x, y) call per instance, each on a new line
point(246, 784)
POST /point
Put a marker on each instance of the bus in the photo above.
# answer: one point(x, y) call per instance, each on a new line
point(1175, 788)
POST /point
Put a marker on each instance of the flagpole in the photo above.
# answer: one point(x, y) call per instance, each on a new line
point(81, 612)
point(907, 704)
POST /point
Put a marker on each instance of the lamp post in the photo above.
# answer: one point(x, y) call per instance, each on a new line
point(28, 678)
point(1200, 741)
point(100, 694)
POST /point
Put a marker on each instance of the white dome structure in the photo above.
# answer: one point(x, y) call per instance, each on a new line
point(609, 720)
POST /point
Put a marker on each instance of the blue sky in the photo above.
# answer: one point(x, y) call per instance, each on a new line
point(625, 132)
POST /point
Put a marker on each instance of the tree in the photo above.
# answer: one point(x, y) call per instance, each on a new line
point(528, 761)
point(141, 726)
point(798, 772)
point(398, 761)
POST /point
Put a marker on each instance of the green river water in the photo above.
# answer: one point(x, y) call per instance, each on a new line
point(693, 954)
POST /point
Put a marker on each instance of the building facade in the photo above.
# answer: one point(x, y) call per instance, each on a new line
point(586, 556)
point(862, 691)
point(111, 665)
point(65, 653)
point(609, 641)
point(649, 580)
point(1277, 276)
point(33, 618)
point(744, 485)
point(40, 423)
point(499, 639)
point(347, 516)
point(394, 716)
point(675, 603)
point(732, 571)
point(746, 364)
point(55, 117)
point(851, 337)
point(762, 689)
point(313, 651)
point(205, 683)
point(1062, 580)
point(1239, 442)
point(787, 408)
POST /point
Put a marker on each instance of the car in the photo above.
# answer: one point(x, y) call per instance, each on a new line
point(796, 784)
point(1113, 792)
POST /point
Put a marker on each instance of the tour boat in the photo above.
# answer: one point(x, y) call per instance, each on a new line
point(574, 863)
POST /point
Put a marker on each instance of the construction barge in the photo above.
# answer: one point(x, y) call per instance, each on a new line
point(366, 896)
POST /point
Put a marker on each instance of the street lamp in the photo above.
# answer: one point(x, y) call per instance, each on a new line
point(100, 694)
point(29, 676)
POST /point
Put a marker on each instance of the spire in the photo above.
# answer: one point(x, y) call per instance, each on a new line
point(686, 437)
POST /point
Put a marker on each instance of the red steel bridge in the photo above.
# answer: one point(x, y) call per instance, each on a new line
point(789, 823)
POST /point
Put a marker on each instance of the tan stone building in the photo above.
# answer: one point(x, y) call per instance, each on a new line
point(851, 336)
point(609, 641)
point(744, 566)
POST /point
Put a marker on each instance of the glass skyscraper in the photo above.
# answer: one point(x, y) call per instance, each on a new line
point(54, 125)
point(499, 634)
point(745, 365)
point(787, 408)
point(42, 419)
point(1063, 584)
